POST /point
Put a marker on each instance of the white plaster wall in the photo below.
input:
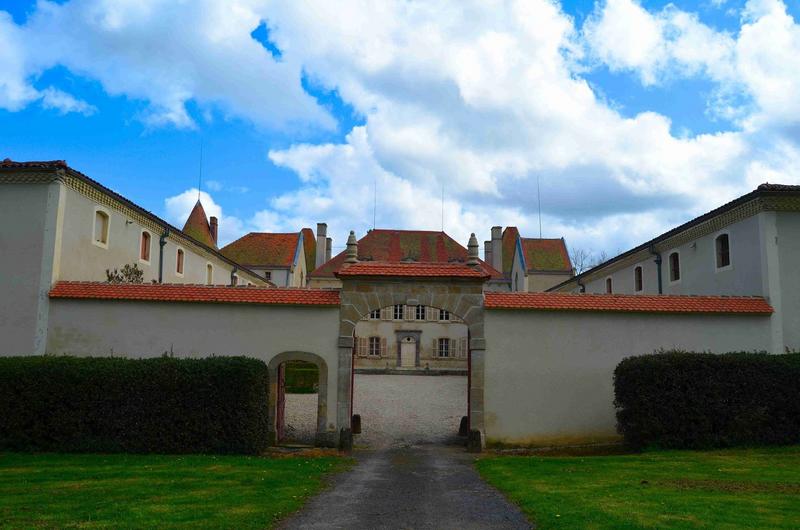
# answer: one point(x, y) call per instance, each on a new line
point(26, 252)
point(549, 375)
point(148, 329)
point(699, 274)
point(540, 282)
point(788, 243)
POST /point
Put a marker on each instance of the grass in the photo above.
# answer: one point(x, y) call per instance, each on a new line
point(741, 488)
point(125, 491)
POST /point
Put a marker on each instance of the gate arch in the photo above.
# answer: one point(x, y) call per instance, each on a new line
point(322, 437)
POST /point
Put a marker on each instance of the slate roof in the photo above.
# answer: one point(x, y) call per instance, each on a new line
point(398, 246)
point(413, 270)
point(628, 303)
point(195, 293)
point(197, 226)
point(263, 249)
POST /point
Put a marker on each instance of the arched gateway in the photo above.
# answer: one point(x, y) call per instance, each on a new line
point(455, 287)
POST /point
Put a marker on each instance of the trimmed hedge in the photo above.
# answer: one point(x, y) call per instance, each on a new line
point(301, 378)
point(161, 405)
point(702, 400)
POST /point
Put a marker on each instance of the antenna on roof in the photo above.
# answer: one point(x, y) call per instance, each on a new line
point(442, 206)
point(374, 200)
point(200, 172)
point(539, 200)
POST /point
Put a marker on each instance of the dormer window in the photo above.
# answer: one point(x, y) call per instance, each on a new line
point(144, 247)
point(101, 226)
point(723, 250)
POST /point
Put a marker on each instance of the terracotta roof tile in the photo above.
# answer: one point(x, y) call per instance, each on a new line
point(310, 248)
point(509, 243)
point(396, 246)
point(413, 270)
point(627, 303)
point(195, 293)
point(262, 249)
point(197, 226)
point(50, 164)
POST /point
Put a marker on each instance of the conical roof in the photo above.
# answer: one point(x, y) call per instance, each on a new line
point(197, 226)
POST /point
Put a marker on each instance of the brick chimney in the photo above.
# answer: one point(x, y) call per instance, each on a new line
point(213, 225)
point(322, 232)
point(497, 248)
point(328, 248)
point(487, 252)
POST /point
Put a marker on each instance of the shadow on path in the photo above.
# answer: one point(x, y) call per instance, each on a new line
point(410, 487)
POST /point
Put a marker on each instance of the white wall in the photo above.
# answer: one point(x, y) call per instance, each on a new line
point(148, 329)
point(549, 375)
point(788, 243)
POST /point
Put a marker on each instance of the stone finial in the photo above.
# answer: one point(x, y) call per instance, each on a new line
point(352, 249)
point(472, 251)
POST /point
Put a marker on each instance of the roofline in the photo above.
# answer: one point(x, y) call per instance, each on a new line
point(755, 194)
point(60, 166)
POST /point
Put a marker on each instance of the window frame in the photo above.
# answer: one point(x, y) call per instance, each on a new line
point(669, 267)
point(609, 285)
point(402, 310)
point(375, 341)
point(209, 273)
point(439, 342)
point(444, 313)
point(268, 275)
point(180, 261)
point(142, 234)
point(95, 242)
point(729, 266)
point(638, 279)
point(375, 314)
point(419, 309)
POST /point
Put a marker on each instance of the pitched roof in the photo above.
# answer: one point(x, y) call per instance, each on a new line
point(763, 190)
point(195, 293)
point(61, 165)
point(509, 245)
point(627, 303)
point(548, 255)
point(262, 249)
point(310, 248)
point(413, 270)
point(399, 246)
point(197, 226)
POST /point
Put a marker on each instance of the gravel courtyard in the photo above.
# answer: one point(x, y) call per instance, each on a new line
point(396, 410)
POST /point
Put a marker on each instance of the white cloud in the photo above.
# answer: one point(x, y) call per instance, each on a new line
point(52, 98)
point(178, 208)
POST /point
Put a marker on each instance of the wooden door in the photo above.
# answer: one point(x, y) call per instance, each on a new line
point(408, 353)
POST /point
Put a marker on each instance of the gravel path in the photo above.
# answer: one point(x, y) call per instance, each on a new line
point(301, 418)
point(419, 487)
point(399, 410)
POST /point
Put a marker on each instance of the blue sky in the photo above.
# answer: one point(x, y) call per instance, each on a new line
point(303, 127)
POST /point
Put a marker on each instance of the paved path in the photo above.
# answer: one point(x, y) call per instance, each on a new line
point(410, 487)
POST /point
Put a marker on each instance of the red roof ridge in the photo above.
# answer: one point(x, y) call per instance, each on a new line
point(414, 269)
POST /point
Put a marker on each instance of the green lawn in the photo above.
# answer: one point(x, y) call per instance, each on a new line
point(124, 491)
point(745, 488)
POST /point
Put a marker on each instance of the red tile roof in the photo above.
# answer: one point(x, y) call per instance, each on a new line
point(413, 270)
point(195, 293)
point(261, 249)
point(509, 245)
point(546, 255)
point(627, 303)
point(395, 246)
point(310, 248)
point(50, 164)
point(197, 226)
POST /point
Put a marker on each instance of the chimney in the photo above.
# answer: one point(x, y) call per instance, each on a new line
point(497, 248)
point(213, 223)
point(487, 252)
point(328, 247)
point(322, 232)
point(472, 251)
point(352, 249)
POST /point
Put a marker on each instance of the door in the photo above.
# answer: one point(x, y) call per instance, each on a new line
point(408, 353)
point(280, 415)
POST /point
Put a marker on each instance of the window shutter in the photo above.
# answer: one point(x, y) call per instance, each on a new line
point(386, 313)
point(409, 312)
point(430, 314)
point(383, 346)
point(363, 346)
point(465, 347)
point(435, 350)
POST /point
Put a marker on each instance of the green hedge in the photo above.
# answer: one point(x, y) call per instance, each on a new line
point(701, 400)
point(161, 405)
point(301, 378)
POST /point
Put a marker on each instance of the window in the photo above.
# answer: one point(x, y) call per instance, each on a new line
point(268, 275)
point(179, 261)
point(234, 280)
point(101, 228)
point(444, 314)
point(443, 348)
point(209, 274)
point(398, 312)
point(674, 267)
point(609, 286)
point(419, 313)
point(637, 279)
point(375, 314)
point(144, 251)
point(723, 246)
point(374, 347)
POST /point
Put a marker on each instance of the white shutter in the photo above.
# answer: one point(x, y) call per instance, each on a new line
point(431, 314)
point(464, 348)
point(435, 350)
point(383, 346)
point(409, 312)
point(363, 346)
point(386, 313)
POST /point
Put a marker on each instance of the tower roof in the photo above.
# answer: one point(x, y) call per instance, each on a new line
point(197, 226)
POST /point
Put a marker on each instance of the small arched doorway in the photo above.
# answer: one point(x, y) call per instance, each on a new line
point(302, 378)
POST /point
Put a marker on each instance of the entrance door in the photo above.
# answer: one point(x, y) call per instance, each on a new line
point(408, 352)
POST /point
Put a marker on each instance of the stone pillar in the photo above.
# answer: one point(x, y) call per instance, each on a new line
point(472, 251)
point(352, 249)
